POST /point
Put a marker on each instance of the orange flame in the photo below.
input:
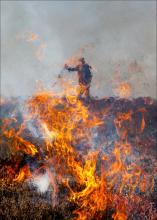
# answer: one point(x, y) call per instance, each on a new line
point(123, 90)
point(23, 174)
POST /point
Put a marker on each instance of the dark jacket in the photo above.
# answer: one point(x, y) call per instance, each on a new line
point(84, 73)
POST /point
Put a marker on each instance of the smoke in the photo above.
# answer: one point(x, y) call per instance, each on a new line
point(42, 183)
point(116, 32)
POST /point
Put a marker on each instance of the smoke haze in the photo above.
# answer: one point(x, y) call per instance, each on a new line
point(38, 36)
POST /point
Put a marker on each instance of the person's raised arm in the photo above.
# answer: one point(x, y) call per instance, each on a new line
point(70, 69)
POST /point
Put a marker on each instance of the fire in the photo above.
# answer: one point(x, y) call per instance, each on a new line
point(142, 124)
point(19, 143)
point(93, 197)
point(143, 111)
point(31, 36)
point(23, 174)
point(120, 214)
point(50, 135)
point(123, 90)
point(95, 180)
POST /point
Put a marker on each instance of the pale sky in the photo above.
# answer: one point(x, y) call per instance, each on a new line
point(113, 34)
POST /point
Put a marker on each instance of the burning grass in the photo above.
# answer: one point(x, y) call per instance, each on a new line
point(64, 158)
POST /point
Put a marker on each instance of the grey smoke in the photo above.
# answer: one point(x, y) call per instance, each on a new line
point(117, 32)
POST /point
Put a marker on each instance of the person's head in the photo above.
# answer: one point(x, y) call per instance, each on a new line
point(82, 60)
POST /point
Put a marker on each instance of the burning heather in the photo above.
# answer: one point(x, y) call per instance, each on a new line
point(69, 158)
